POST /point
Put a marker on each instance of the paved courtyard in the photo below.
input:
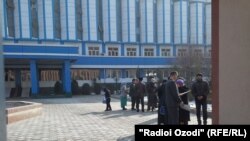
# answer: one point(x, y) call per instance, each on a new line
point(81, 118)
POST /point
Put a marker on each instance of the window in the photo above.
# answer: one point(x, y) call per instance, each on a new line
point(25, 75)
point(209, 53)
point(10, 75)
point(182, 52)
point(50, 75)
point(84, 74)
point(131, 73)
point(100, 18)
point(79, 19)
point(138, 24)
point(113, 73)
point(113, 51)
point(10, 18)
point(57, 21)
point(131, 51)
point(148, 52)
point(165, 52)
point(34, 18)
point(198, 52)
point(93, 51)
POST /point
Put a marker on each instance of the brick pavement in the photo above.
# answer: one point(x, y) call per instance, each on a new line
point(81, 118)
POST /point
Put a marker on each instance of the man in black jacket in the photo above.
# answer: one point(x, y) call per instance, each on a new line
point(162, 115)
point(172, 100)
point(132, 94)
point(200, 90)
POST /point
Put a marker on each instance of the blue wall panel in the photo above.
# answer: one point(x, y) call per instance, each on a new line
point(123, 61)
point(40, 49)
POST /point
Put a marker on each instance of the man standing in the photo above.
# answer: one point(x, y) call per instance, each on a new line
point(132, 93)
point(172, 100)
point(162, 115)
point(140, 92)
point(200, 90)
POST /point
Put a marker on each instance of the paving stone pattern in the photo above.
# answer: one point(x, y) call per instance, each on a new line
point(81, 118)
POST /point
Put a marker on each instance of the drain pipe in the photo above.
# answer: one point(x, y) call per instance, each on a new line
point(3, 134)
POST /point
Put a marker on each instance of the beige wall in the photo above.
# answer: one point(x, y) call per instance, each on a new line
point(234, 61)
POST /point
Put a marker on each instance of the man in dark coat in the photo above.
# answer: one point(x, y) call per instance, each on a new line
point(172, 100)
point(132, 93)
point(200, 90)
point(152, 96)
point(140, 92)
point(162, 109)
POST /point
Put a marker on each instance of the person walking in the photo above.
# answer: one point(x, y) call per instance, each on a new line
point(184, 115)
point(172, 100)
point(132, 93)
point(200, 91)
point(108, 99)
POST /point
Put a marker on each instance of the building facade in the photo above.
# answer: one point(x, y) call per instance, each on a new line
point(108, 40)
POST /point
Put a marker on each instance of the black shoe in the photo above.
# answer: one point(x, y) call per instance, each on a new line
point(142, 110)
point(199, 122)
point(124, 109)
point(205, 123)
point(137, 110)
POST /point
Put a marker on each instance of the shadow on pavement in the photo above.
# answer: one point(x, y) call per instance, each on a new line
point(120, 113)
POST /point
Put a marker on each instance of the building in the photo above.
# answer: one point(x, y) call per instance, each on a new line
point(108, 40)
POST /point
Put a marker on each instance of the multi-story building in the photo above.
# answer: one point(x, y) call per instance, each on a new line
point(50, 40)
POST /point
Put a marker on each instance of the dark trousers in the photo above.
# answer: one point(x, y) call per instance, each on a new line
point(133, 99)
point(162, 119)
point(138, 101)
point(201, 103)
point(108, 106)
point(173, 115)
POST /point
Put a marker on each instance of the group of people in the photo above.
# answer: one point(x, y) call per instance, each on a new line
point(171, 97)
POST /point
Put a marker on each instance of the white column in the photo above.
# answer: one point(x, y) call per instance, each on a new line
point(46, 23)
point(208, 23)
point(2, 19)
point(109, 20)
point(164, 21)
point(196, 22)
point(17, 19)
point(89, 20)
point(40, 19)
point(68, 19)
point(147, 21)
point(22, 19)
point(25, 19)
point(180, 22)
point(128, 21)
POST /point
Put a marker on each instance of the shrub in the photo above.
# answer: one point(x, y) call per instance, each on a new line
point(58, 88)
point(74, 87)
point(86, 89)
point(97, 88)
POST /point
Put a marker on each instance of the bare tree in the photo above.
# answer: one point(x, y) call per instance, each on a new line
point(191, 63)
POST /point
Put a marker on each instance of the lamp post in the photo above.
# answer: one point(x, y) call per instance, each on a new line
point(2, 94)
